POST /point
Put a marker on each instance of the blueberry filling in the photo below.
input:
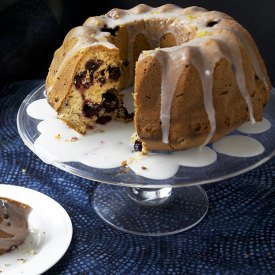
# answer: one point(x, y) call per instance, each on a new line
point(90, 109)
point(123, 113)
point(101, 111)
point(93, 65)
point(125, 63)
point(79, 80)
point(110, 102)
point(114, 73)
point(138, 146)
point(103, 120)
point(101, 80)
point(87, 84)
point(83, 80)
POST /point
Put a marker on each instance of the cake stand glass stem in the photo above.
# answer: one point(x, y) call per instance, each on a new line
point(150, 196)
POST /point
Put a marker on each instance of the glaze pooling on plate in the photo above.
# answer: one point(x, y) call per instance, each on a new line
point(162, 166)
point(108, 146)
point(39, 110)
point(238, 146)
point(257, 128)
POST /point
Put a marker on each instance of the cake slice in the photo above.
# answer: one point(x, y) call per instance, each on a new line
point(13, 223)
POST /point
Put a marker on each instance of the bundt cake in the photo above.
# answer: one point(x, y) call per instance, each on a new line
point(13, 223)
point(197, 75)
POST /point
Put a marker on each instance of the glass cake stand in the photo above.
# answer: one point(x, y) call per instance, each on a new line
point(143, 206)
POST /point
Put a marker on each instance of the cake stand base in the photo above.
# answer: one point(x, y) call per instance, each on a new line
point(150, 212)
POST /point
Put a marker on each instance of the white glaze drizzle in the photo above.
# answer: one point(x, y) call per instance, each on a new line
point(163, 166)
point(257, 128)
point(172, 63)
point(204, 59)
point(132, 17)
point(233, 55)
point(236, 59)
point(251, 52)
point(90, 33)
point(205, 63)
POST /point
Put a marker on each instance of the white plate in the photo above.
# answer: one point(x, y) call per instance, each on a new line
point(50, 233)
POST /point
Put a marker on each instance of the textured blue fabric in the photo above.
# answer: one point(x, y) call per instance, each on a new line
point(236, 237)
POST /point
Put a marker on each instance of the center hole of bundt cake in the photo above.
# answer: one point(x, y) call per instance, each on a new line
point(112, 31)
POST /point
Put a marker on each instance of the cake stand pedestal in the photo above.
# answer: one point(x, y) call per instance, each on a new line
point(143, 206)
point(151, 212)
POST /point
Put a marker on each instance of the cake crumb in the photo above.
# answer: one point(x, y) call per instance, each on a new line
point(21, 261)
point(58, 136)
point(144, 151)
point(73, 139)
point(144, 168)
point(31, 252)
point(124, 163)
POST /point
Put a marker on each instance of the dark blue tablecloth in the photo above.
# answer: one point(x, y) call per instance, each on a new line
point(236, 237)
